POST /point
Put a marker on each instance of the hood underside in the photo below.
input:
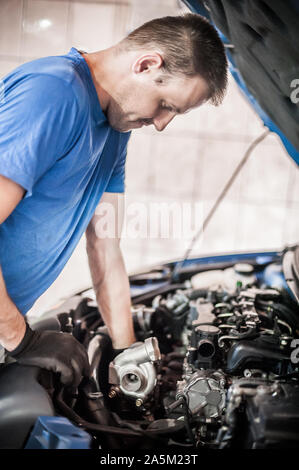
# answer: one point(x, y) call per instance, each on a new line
point(262, 44)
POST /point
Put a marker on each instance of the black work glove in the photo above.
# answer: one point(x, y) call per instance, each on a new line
point(116, 352)
point(55, 351)
point(108, 355)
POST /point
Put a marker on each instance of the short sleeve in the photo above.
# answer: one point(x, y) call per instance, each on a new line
point(37, 123)
point(117, 180)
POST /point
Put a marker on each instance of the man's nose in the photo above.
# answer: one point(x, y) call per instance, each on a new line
point(160, 122)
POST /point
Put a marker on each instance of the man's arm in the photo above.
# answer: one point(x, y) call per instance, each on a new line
point(110, 279)
point(12, 323)
point(52, 350)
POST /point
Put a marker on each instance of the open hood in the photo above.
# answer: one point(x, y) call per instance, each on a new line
point(262, 44)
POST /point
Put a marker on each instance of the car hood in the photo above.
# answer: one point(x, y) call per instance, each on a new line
point(262, 45)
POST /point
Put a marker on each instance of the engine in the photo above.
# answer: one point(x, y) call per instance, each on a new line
point(214, 366)
point(215, 357)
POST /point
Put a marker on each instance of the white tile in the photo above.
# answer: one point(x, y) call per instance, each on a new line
point(161, 251)
point(193, 121)
point(174, 161)
point(143, 11)
point(266, 176)
point(139, 171)
point(74, 277)
point(260, 227)
point(44, 28)
point(91, 25)
point(229, 118)
point(132, 251)
point(243, 111)
point(220, 234)
point(217, 164)
point(121, 19)
point(255, 125)
point(144, 253)
point(10, 26)
point(7, 66)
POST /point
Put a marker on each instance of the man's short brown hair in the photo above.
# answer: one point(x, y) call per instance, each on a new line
point(190, 46)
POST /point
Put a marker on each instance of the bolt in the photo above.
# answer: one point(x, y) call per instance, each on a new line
point(132, 377)
point(112, 393)
point(139, 402)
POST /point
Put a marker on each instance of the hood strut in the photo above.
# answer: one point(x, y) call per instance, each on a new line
point(175, 273)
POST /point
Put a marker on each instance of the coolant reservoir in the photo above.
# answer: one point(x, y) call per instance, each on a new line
point(207, 279)
point(240, 272)
point(226, 279)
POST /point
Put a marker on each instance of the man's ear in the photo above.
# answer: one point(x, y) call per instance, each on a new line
point(147, 62)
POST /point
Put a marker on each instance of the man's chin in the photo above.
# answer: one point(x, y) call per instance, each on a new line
point(122, 127)
point(126, 126)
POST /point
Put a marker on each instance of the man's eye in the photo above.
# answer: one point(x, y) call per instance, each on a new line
point(165, 106)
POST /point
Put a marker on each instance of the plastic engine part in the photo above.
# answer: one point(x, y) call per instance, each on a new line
point(56, 432)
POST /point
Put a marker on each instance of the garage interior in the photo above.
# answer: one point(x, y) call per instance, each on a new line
point(189, 162)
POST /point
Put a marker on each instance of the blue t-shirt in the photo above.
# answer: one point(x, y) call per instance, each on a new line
point(56, 142)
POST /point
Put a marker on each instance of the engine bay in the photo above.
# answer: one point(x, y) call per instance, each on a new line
point(215, 365)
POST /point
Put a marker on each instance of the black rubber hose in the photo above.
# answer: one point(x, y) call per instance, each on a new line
point(95, 411)
point(196, 293)
point(285, 313)
point(102, 428)
point(73, 416)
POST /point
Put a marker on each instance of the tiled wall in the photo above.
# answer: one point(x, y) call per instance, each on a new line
point(189, 162)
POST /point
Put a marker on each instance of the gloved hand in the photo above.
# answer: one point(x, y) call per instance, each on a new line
point(55, 351)
point(115, 352)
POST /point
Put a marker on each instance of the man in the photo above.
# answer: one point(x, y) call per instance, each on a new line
point(64, 128)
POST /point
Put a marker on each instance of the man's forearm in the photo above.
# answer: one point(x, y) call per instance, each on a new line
point(12, 323)
point(112, 289)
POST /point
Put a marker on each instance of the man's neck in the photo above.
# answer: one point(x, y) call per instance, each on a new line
point(96, 65)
